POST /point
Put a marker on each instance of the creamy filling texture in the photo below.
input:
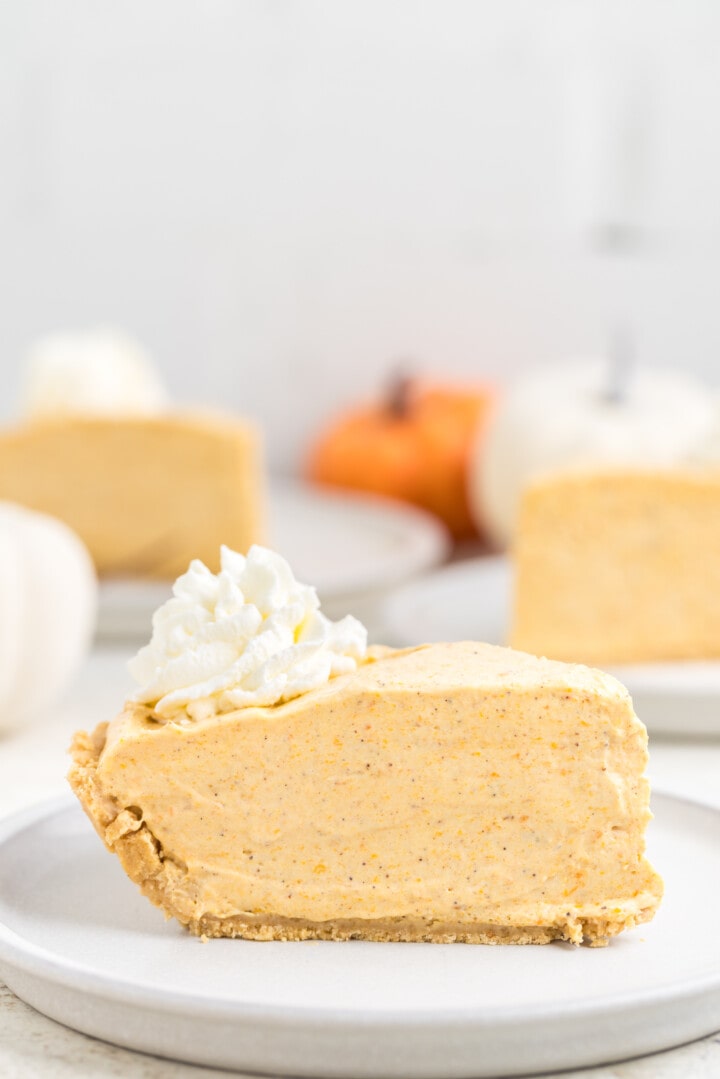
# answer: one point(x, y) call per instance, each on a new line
point(406, 789)
point(249, 635)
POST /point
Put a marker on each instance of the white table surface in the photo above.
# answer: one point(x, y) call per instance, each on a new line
point(32, 767)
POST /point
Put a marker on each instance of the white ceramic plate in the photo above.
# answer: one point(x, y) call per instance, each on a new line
point(351, 547)
point(80, 944)
point(471, 601)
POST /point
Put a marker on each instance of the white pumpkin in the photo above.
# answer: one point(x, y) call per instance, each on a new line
point(100, 372)
point(572, 415)
point(48, 604)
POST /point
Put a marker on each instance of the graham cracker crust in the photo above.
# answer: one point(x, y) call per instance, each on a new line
point(125, 834)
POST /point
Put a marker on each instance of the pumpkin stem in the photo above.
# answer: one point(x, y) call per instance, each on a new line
point(399, 395)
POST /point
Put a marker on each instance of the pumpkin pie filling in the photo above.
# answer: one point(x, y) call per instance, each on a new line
point(612, 566)
point(449, 792)
point(107, 477)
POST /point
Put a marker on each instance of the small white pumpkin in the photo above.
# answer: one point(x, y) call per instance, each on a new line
point(577, 414)
point(48, 605)
point(100, 372)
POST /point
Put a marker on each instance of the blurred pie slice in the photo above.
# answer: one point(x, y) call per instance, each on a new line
point(145, 493)
point(619, 566)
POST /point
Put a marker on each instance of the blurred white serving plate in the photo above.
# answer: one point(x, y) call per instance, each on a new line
point(351, 547)
point(471, 601)
point(79, 943)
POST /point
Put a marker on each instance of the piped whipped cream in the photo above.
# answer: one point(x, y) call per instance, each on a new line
point(249, 635)
point(101, 372)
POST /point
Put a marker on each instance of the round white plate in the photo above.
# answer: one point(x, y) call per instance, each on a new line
point(79, 943)
point(471, 601)
point(349, 546)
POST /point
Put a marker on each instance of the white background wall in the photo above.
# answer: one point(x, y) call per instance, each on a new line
point(282, 198)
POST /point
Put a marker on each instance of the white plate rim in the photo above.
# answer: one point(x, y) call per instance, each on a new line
point(431, 541)
point(410, 593)
point(38, 962)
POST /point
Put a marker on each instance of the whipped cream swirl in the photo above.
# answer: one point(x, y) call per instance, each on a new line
point(249, 635)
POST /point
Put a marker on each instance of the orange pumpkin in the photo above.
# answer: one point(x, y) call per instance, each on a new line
point(415, 446)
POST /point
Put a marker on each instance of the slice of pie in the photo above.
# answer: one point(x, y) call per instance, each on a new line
point(452, 792)
point(145, 493)
point(619, 566)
